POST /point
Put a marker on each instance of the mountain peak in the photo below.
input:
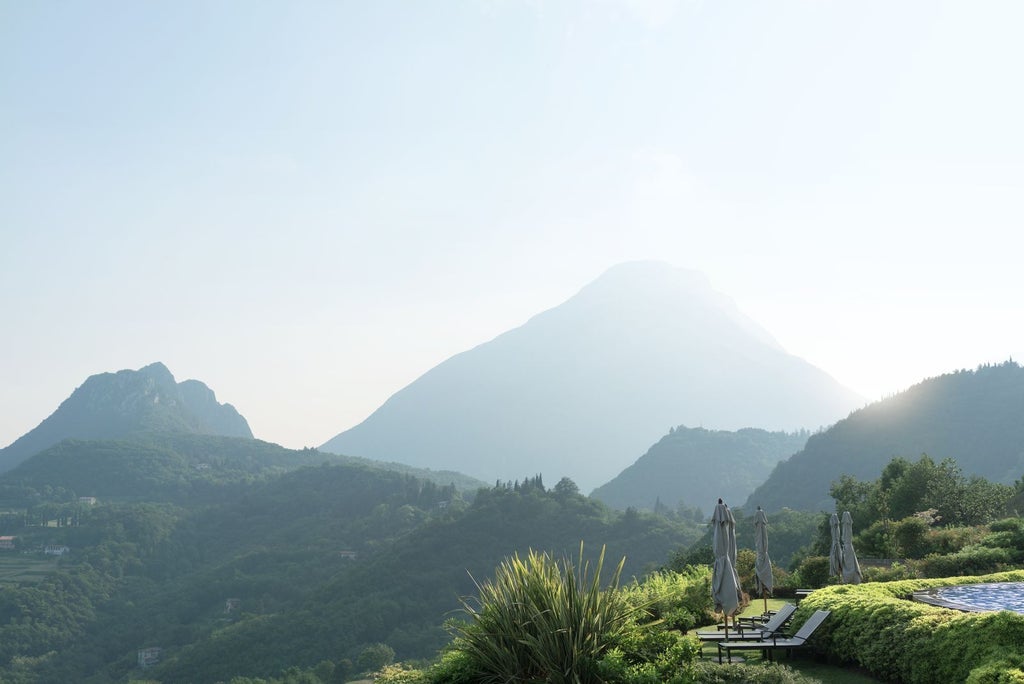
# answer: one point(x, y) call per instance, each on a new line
point(582, 389)
point(655, 280)
point(114, 405)
point(656, 286)
point(155, 370)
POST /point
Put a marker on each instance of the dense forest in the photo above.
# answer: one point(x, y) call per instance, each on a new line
point(173, 467)
point(255, 562)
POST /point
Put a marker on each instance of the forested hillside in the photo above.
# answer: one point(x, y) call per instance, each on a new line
point(181, 468)
point(166, 467)
point(974, 417)
point(693, 467)
point(286, 570)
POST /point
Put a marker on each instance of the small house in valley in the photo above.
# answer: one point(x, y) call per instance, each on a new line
point(147, 657)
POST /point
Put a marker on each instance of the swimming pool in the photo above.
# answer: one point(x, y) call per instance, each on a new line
point(976, 597)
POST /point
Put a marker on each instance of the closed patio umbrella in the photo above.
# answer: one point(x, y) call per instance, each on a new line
point(725, 585)
point(731, 529)
point(763, 579)
point(851, 568)
point(835, 554)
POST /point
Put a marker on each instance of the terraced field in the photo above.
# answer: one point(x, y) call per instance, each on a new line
point(16, 567)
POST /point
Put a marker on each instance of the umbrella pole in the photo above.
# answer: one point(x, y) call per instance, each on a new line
point(725, 620)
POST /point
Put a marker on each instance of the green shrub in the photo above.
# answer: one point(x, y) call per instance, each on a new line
point(875, 626)
point(781, 576)
point(706, 672)
point(454, 667)
point(972, 560)
point(1014, 525)
point(652, 646)
point(911, 537)
point(541, 620)
point(544, 620)
point(945, 540)
point(652, 656)
point(813, 572)
point(897, 571)
point(397, 674)
point(681, 600)
point(876, 540)
point(746, 559)
point(1006, 671)
point(1007, 534)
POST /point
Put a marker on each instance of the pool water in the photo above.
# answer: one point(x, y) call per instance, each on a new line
point(977, 597)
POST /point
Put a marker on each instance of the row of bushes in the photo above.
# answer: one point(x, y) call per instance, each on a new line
point(877, 626)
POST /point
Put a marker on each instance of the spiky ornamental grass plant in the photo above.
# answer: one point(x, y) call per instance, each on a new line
point(541, 620)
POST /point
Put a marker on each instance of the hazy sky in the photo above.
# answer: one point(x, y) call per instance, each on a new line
point(306, 205)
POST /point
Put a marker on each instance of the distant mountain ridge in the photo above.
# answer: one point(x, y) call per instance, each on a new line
point(975, 417)
point(115, 405)
point(695, 467)
point(580, 389)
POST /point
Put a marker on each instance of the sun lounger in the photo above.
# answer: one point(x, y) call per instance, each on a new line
point(759, 621)
point(802, 594)
point(769, 644)
point(770, 628)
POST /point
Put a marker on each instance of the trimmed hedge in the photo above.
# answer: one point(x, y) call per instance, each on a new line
point(970, 561)
point(879, 627)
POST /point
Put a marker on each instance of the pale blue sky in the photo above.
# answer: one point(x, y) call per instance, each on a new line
point(306, 205)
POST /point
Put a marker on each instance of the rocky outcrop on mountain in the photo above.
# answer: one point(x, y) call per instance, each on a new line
point(115, 405)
